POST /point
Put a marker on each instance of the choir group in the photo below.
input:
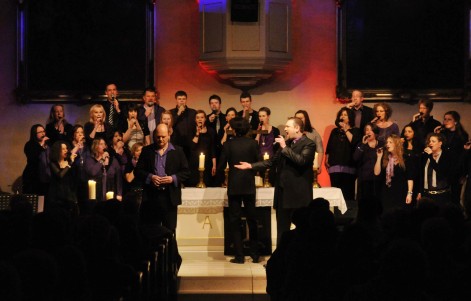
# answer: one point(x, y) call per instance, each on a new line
point(367, 155)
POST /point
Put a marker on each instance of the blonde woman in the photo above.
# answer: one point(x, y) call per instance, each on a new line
point(396, 178)
point(96, 127)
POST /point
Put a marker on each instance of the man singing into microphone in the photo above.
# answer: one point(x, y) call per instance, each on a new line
point(294, 175)
point(112, 109)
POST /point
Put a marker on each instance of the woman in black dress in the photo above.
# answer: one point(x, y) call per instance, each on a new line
point(412, 152)
point(396, 178)
point(33, 149)
point(369, 186)
point(455, 138)
point(203, 142)
point(57, 127)
point(97, 127)
point(339, 153)
point(63, 186)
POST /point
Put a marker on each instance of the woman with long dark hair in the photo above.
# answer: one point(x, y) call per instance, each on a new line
point(369, 186)
point(339, 153)
point(63, 186)
point(33, 149)
point(312, 134)
point(455, 138)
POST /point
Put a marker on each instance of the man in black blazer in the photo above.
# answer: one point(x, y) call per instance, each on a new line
point(217, 120)
point(294, 175)
point(363, 114)
point(150, 111)
point(241, 186)
point(247, 112)
point(114, 113)
point(162, 167)
point(184, 124)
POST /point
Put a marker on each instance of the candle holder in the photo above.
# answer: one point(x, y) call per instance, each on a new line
point(226, 178)
point(315, 184)
point(266, 181)
point(201, 182)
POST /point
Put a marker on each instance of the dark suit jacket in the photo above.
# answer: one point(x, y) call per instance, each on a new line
point(141, 114)
point(254, 122)
point(176, 164)
point(367, 115)
point(118, 118)
point(184, 128)
point(240, 182)
point(220, 133)
point(294, 175)
point(444, 170)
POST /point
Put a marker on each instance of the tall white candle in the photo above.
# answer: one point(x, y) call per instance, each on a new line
point(316, 163)
point(227, 165)
point(201, 165)
point(91, 190)
point(266, 156)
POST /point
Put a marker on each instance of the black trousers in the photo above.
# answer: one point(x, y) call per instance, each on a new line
point(283, 222)
point(346, 182)
point(235, 214)
point(160, 211)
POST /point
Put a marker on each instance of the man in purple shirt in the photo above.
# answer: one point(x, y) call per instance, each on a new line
point(162, 167)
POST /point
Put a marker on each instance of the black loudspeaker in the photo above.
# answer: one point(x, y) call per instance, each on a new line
point(244, 10)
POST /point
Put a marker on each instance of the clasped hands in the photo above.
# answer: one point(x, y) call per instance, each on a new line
point(158, 180)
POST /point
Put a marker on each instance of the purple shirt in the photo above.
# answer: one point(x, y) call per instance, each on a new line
point(159, 168)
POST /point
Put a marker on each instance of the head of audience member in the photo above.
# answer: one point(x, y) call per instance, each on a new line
point(59, 152)
point(264, 115)
point(294, 128)
point(132, 111)
point(382, 111)
point(434, 142)
point(357, 99)
point(78, 134)
point(425, 108)
point(200, 118)
point(395, 148)
point(246, 101)
point(181, 98)
point(371, 131)
point(37, 133)
point(215, 103)
point(97, 114)
point(304, 116)
point(240, 126)
point(345, 115)
point(136, 150)
point(111, 91)
point(56, 114)
point(150, 96)
point(230, 113)
point(98, 147)
point(161, 136)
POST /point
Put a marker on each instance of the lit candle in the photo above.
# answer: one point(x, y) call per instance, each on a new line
point(227, 165)
point(109, 195)
point(201, 165)
point(266, 156)
point(316, 163)
point(91, 190)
